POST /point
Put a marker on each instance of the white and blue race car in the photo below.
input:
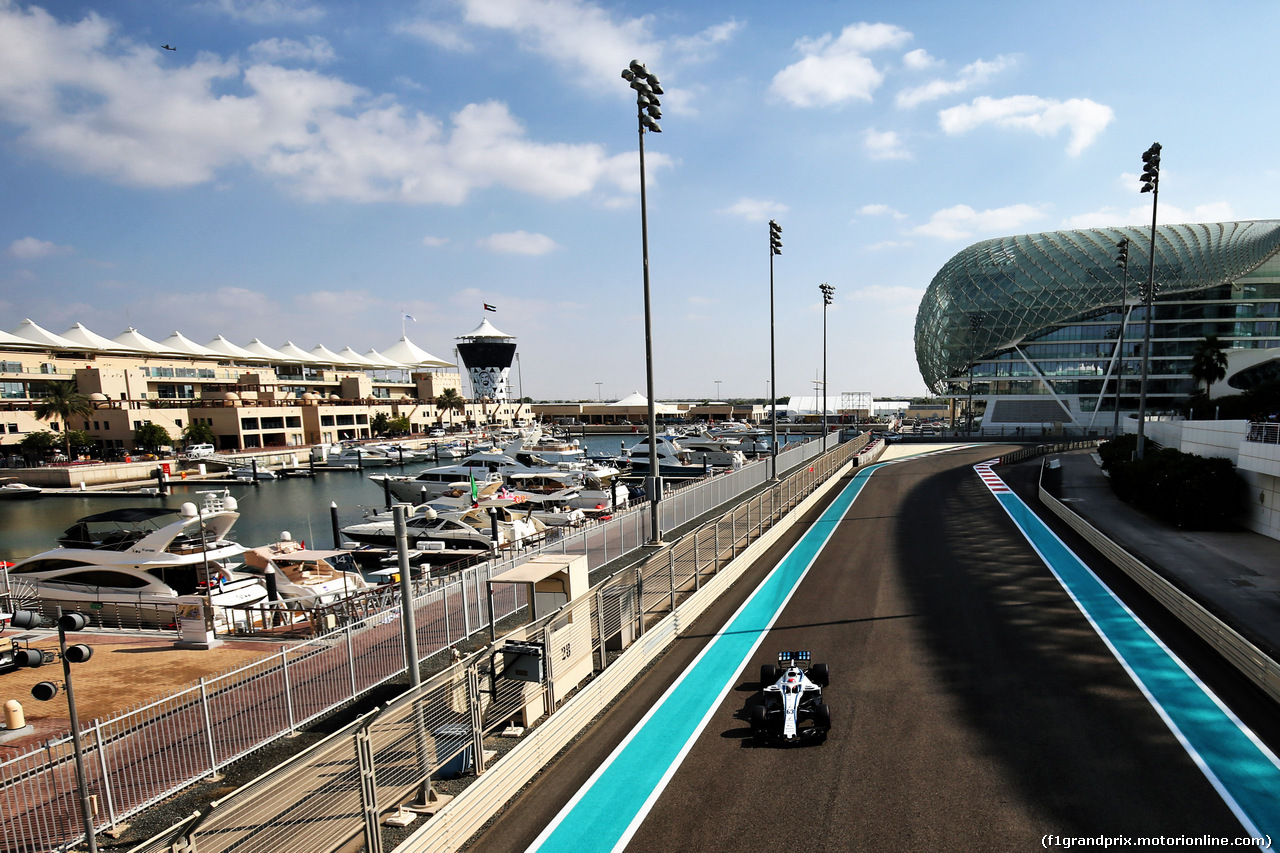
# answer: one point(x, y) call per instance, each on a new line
point(792, 710)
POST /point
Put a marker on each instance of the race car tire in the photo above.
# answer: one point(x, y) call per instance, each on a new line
point(820, 675)
point(759, 723)
point(822, 716)
point(768, 674)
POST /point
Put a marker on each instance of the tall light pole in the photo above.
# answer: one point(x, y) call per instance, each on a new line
point(827, 291)
point(599, 393)
point(1122, 261)
point(975, 323)
point(771, 388)
point(1150, 184)
point(648, 111)
point(717, 390)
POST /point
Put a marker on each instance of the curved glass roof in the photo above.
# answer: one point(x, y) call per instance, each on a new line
point(995, 294)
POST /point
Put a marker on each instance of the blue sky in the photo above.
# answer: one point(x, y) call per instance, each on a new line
point(313, 171)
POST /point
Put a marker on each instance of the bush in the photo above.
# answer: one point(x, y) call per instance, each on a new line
point(1181, 489)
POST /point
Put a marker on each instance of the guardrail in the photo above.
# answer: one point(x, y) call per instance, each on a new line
point(1041, 449)
point(139, 758)
point(1251, 661)
point(319, 802)
point(1264, 432)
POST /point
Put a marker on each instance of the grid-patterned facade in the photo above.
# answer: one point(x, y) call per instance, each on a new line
point(1038, 316)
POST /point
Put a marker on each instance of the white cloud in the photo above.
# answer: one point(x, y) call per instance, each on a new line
point(316, 49)
point(754, 209)
point(91, 101)
point(1140, 214)
point(433, 32)
point(519, 243)
point(884, 145)
point(974, 74)
point(962, 221)
point(880, 210)
point(835, 70)
point(890, 299)
point(269, 11)
point(31, 249)
point(1084, 119)
point(573, 33)
point(699, 48)
point(919, 60)
point(435, 242)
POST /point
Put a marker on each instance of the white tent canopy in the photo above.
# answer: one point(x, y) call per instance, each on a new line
point(635, 398)
point(180, 343)
point(323, 355)
point(293, 352)
point(30, 332)
point(382, 361)
point(485, 330)
point(92, 340)
point(225, 347)
point(262, 351)
point(353, 357)
point(130, 338)
point(408, 353)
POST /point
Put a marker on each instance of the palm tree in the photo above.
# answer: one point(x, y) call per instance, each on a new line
point(1209, 362)
point(61, 402)
point(449, 400)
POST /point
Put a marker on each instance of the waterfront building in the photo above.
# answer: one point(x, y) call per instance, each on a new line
point(253, 396)
point(1030, 324)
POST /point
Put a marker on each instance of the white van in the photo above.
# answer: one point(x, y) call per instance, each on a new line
point(198, 451)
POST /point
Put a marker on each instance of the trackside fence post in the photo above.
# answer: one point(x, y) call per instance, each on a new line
point(368, 791)
point(208, 729)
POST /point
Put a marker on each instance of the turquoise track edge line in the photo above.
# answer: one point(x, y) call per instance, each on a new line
point(650, 754)
point(1244, 772)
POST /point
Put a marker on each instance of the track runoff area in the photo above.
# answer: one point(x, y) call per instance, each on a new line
point(609, 808)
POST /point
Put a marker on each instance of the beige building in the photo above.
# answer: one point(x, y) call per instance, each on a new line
point(268, 398)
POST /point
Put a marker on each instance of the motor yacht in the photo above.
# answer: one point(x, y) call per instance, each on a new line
point(677, 462)
point(138, 560)
point(484, 466)
point(19, 491)
point(304, 575)
point(467, 528)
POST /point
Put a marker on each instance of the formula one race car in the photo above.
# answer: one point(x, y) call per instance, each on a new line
point(792, 711)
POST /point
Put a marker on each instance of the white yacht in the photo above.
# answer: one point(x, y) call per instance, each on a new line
point(471, 527)
point(678, 462)
point(484, 466)
point(304, 575)
point(141, 559)
point(356, 456)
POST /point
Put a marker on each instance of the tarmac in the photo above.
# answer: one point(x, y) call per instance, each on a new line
point(1234, 574)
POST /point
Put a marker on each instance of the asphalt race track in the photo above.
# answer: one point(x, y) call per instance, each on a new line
point(973, 706)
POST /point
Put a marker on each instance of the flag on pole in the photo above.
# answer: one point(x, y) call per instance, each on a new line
point(411, 317)
point(475, 493)
point(489, 307)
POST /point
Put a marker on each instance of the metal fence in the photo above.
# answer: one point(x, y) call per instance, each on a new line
point(336, 795)
point(153, 751)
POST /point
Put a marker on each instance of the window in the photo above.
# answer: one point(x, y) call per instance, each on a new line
point(248, 423)
point(13, 390)
point(273, 423)
point(293, 421)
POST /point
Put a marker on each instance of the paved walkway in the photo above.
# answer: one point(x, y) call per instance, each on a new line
point(1236, 574)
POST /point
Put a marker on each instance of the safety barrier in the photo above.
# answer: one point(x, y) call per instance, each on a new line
point(1251, 661)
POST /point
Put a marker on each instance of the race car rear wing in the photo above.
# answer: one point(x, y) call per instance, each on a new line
point(793, 658)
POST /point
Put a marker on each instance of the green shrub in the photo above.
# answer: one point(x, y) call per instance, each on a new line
point(1181, 489)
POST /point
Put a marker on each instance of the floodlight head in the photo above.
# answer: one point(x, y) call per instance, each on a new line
point(44, 691)
point(72, 621)
point(637, 68)
point(25, 619)
point(79, 653)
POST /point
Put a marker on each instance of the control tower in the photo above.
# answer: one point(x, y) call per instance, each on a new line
point(487, 354)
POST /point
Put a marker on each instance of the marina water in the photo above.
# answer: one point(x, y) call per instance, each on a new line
point(300, 505)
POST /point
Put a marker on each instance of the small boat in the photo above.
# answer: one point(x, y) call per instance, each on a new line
point(249, 474)
point(19, 491)
point(468, 528)
point(677, 462)
point(303, 575)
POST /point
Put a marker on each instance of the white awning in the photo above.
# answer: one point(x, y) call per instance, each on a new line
point(132, 339)
point(180, 343)
point(410, 354)
point(29, 331)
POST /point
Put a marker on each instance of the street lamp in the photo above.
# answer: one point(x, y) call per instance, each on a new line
point(975, 323)
point(717, 390)
point(1122, 261)
point(599, 393)
point(827, 291)
point(1150, 184)
point(648, 111)
point(775, 248)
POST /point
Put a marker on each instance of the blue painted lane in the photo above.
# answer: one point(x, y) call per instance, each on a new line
point(1242, 769)
point(606, 811)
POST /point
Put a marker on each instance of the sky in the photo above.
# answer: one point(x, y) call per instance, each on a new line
point(342, 174)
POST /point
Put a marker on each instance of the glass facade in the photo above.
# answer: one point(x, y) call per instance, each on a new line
point(1039, 315)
